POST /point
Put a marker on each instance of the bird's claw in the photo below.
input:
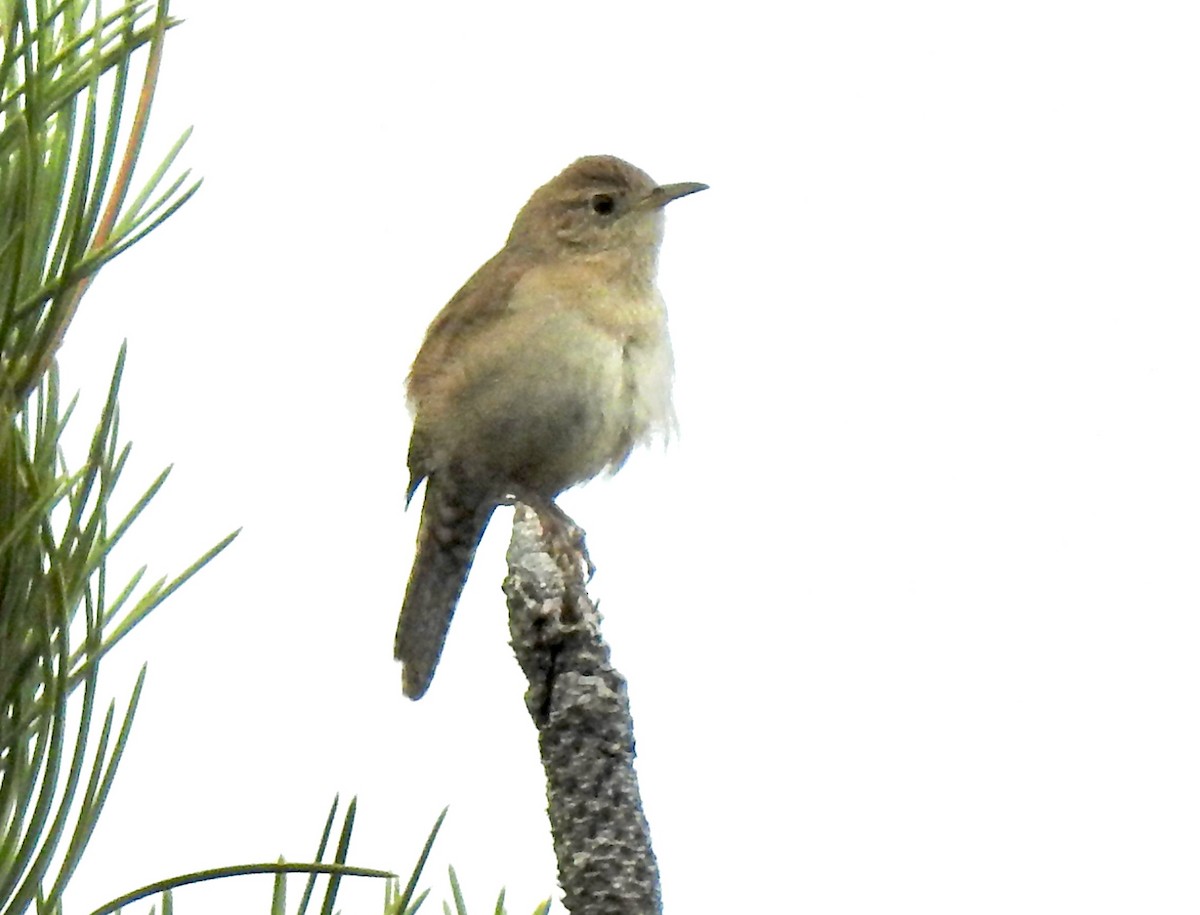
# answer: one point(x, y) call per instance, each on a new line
point(565, 538)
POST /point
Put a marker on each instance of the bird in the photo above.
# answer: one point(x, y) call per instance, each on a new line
point(543, 371)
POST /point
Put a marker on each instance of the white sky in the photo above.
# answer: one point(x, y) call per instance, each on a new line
point(908, 613)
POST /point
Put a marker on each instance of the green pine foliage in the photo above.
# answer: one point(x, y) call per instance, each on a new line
point(76, 85)
point(67, 159)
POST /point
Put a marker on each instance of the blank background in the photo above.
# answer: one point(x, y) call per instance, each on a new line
point(908, 611)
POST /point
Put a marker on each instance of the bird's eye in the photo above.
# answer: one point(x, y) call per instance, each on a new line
point(603, 204)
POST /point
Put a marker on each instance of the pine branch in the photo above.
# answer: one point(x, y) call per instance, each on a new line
point(580, 706)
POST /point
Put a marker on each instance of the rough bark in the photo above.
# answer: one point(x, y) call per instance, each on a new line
point(580, 706)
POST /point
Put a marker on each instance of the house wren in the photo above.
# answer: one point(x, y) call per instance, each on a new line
point(545, 369)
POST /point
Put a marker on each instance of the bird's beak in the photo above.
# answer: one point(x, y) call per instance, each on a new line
point(665, 193)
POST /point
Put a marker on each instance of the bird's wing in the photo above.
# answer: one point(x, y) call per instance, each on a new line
point(481, 302)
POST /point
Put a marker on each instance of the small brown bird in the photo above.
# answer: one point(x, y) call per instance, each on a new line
point(546, 368)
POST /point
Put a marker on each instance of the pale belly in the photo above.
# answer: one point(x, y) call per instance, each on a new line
point(567, 403)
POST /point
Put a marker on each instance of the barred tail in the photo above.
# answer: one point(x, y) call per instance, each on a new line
point(452, 524)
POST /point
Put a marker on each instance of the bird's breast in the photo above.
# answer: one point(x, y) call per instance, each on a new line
point(588, 382)
point(563, 387)
point(614, 311)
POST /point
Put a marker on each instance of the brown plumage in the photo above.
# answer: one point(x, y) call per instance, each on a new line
point(546, 368)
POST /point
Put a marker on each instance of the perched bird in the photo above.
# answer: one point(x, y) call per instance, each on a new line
point(546, 368)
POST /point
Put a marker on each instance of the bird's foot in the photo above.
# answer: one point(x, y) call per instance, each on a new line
point(565, 538)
